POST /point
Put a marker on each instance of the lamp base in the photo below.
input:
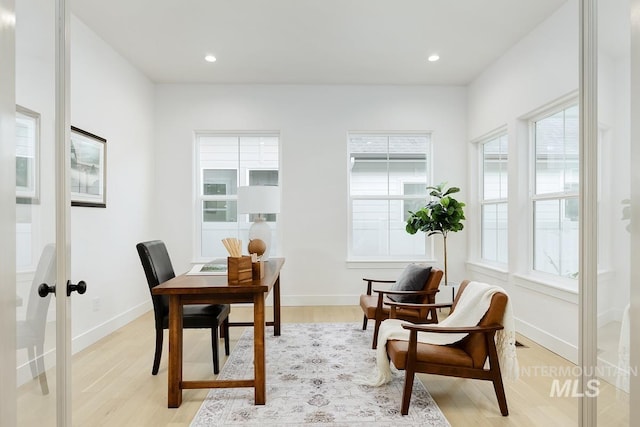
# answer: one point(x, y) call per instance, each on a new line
point(260, 230)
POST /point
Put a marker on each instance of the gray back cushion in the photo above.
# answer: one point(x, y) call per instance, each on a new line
point(413, 278)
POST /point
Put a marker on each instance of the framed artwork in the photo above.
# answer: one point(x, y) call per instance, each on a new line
point(27, 155)
point(88, 169)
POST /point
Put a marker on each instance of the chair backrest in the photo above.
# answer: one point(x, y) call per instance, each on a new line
point(158, 269)
point(433, 282)
point(37, 306)
point(475, 344)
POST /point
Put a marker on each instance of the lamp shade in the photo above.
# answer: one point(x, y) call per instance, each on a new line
point(259, 199)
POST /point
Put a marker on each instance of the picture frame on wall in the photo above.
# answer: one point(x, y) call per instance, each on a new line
point(88, 169)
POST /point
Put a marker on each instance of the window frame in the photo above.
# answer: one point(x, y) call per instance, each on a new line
point(482, 201)
point(354, 261)
point(541, 114)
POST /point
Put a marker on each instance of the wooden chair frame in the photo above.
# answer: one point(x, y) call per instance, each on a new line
point(417, 313)
point(414, 366)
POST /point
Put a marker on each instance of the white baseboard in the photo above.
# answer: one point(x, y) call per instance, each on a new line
point(612, 374)
point(310, 300)
point(550, 342)
point(609, 316)
point(84, 340)
point(93, 335)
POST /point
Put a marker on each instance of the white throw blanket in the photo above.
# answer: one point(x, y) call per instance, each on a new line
point(471, 307)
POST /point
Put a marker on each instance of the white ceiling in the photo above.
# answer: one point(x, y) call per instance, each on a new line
point(312, 41)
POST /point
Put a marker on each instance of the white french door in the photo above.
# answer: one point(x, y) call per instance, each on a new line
point(34, 213)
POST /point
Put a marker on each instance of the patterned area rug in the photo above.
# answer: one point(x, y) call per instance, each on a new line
point(310, 380)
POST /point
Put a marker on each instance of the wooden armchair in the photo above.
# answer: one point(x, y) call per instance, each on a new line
point(464, 359)
point(374, 307)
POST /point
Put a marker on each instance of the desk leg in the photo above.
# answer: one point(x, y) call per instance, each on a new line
point(259, 350)
point(175, 351)
point(276, 307)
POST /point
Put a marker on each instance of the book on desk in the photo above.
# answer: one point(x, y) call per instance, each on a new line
point(212, 268)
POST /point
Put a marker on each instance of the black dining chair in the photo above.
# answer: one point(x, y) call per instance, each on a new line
point(158, 269)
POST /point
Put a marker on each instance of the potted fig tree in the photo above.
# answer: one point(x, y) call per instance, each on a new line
point(442, 215)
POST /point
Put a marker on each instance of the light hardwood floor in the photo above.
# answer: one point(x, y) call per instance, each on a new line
point(113, 385)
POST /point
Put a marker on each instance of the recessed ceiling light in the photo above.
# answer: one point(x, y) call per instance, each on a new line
point(434, 58)
point(210, 58)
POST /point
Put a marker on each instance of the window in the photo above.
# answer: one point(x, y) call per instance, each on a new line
point(388, 177)
point(226, 162)
point(494, 180)
point(555, 193)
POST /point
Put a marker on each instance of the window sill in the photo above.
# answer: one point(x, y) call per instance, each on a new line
point(373, 263)
point(492, 270)
point(560, 289)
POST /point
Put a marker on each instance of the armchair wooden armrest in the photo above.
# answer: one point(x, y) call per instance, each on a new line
point(417, 305)
point(422, 308)
point(454, 330)
point(371, 281)
point(382, 292)
point(390, 292)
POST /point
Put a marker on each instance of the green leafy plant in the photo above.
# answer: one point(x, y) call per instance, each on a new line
point(441, 215)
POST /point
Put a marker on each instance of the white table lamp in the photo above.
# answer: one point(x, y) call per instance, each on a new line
point(260, 200)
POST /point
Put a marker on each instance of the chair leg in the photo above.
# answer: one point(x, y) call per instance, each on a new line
point(375, 334)
point(496, 375)
point(364, 323)
point(214, 349)
point(158, 354)
point(225, 328)
point(31, 354)
point(502, 398)
point(42, 375)
point(434, 316)
point(406, 393)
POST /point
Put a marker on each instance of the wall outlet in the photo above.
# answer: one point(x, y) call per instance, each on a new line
point(95, 304)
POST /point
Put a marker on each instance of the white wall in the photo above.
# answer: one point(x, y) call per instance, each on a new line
point(540, 69)
point(313, 122)
point(111, 99)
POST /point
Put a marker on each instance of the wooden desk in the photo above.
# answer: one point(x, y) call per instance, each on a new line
point(201, 289)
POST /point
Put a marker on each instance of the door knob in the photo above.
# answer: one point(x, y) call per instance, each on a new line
point(81, 287)
point(44, 290)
